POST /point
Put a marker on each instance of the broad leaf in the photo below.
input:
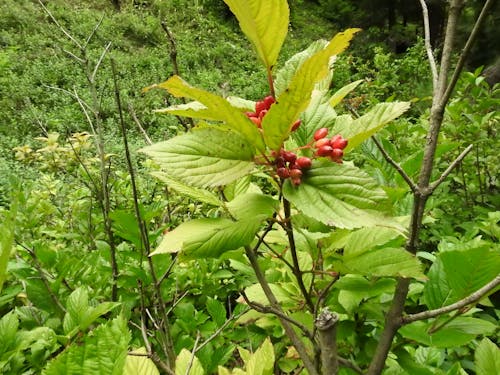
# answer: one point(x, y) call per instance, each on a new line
point(209, 237)
point(204, 157)
point(265, 23)
point(186, 363)
point(338, 195)
point(487, 358)
point(364, 127)
point(210, 106)
point(456, 333)
point(262, 361)
point(200, 195)
point(364, 239)
point(341, 93)
point(217, 311)
point(295, 99)
point(456, 274)
point(251, 205)
point(139, 364)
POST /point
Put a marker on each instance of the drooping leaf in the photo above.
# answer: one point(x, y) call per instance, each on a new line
point(487, 358)
point(209, 237)
point(204, 157)
point(295, 99)
point(458, 273)
point(343, 92)
point(188, 364)
point(139, 364)
point(211, 107)
point(364, 127)
point(265, 23)
point(338, 195)
point(250, 205)
point(200, 195)
point(456, 333)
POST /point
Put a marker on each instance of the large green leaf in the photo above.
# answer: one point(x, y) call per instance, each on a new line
point(278, 121)
point(210, 106)
point(207, 156)
point(362, 128)
point(458, 273)
point(251, 205)
point(365, 239)
point(265, 23)
point(137, 363)
point(338, 195)
point(487, 358)
point(458, 332)
point(187, 364)
point(209, 237)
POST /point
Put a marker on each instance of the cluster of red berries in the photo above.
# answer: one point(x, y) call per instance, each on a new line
point(261, 108)
point(332, 148)
point(288, 165)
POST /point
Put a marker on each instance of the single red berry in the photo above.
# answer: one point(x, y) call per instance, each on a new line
point(260, 106)
point(296, 124)
point(304, 162)
point(320, 133)
point(251, 114)
point(280, 162)
point(289, 156)
point(338, 142)
point(322, 142)
point(295, 173)
point(262, 113)
point(337, 153)
point(324, 151)
point(296, 181)
point(283, 172)
point(256, 121)
point(268, 101)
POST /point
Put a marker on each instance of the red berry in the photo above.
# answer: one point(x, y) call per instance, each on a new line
point(283, 172)
point(268, 101)
point(338, 142)
point(262, 113)
point(322, 142)
point(289, 156)
point(324, 151)
point(256, 121)
point(251, 114)
point(304, 162)
point(295, 173)
point(296, 181)
point(337, 153)
point(280, 162)
point(260, 106)
point(296, 125)
point(320, 133)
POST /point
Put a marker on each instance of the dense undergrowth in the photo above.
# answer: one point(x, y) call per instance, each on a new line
point(63, 291)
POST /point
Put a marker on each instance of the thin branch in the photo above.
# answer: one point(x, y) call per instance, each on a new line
point(94, 31)
point(191, 360)
point(59, 25)
point(465, 52)
point(450, 168)
point(428, 47)
point(280, 314)
point(344, 362)
point(138, 123)
point(470, 299)
point(98, 64)
point(396, 166)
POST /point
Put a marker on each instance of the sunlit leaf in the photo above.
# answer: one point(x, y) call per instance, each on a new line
point(249, 205)
point(188, 364)
point(137, 363)
point(487, 358)
point(342, 92)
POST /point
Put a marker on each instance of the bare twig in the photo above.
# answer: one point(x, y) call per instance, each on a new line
point(138, 123)
point(448, 170)
point(470, 299)
point(191, 360)
point(98, 64)
point(70, 37)
point(94, 31)
point(428, 47)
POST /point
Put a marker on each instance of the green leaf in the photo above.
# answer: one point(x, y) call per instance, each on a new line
point(186, 361)
point(341, 93)
point(395, 262)
point(265, 23)
point(285, 74)
point(338, 195)
point(139, 365)
point(250, 205)
point(456, 333)
point(364, 239)
point(217, 311)
point(104, 352)
point(278, 121)
point(255, 293)
point(408, 363)
point(7, 227)
point(262, 361)
point(456, 274)
point(487, 358)
point(9, 324)
point(213, 107)
point(364, 127)
point(204, 157)
point(209, 237)
point(200, 195)
point(77, 305)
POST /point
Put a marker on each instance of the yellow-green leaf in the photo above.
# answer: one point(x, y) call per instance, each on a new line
point(265, 23)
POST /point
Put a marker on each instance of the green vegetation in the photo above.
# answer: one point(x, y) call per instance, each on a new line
point(135, 242)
